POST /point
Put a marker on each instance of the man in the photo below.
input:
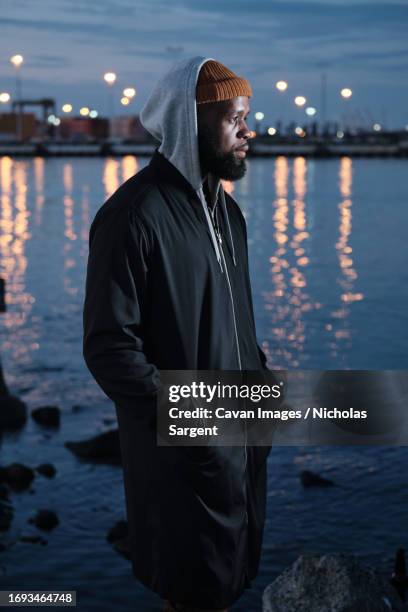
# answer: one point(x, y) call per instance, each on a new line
point(168, 289)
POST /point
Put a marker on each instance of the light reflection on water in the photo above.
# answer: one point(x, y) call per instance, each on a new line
point(14, 225)
point(328, 259)
point(305, 273)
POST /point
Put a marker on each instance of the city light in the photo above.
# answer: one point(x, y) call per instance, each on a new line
point(53, 120)
point(93, 113)
point(17, 60)
point(271, 131)
point(346, 92)
point(311, 111)
point(4, 97)
point(281, 85)
point(125, 101)
point(340, 134)
point(300, 131)
point(109, 77)
point(259, 116)
point(377, 127)
point(129, 92)
point(66, 108)
point(300, 100)
point(84, 111)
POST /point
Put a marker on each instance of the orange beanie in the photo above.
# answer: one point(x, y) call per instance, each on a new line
point(216, 82)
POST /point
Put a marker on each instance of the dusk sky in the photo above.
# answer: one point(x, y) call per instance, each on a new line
point(68, 45)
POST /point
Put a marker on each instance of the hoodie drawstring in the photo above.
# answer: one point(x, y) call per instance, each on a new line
point(216, 246)
point(224, 208)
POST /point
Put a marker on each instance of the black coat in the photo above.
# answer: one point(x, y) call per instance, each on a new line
point(157, 299)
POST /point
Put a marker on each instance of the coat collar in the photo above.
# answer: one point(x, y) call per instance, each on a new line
point(164, 170)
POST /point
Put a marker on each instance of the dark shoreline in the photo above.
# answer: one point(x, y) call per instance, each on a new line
point(119, 149)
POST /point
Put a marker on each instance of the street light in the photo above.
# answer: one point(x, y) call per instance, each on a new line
point(300, 100)
point(17, 61)
point(66, 108)
point(258, 118)
point(84, 111)
point(4, 97)
point(311, 111)
point(281, 85)
point(346, 92)
point(124, 101)
point(129, 92)
point(110, 80)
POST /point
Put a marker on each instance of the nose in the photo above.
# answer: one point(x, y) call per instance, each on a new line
point(244, 131)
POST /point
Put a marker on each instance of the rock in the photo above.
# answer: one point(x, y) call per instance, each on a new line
point(103, 448)
point(6, 515)
point(310, 479)
point(17, 476)
point(13, 412)
point(45, 519)
point(46, 415)
point(335, 582)
point(46, 469)
point(33, 539)
point(119, 538)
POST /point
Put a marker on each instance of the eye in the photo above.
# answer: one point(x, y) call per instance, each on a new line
point(234, 119)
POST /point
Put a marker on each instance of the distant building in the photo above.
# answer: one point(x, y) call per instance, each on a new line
point(83, 129)
point(9, 126)
point(129, 128)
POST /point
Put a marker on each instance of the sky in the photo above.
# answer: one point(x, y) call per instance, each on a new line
point(69, 44)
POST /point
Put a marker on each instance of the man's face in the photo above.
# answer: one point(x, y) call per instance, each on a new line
point(222, 137)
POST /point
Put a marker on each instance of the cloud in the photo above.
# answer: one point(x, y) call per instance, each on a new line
point(74, 42)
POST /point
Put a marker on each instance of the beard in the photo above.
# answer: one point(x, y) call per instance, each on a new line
point(222, 165)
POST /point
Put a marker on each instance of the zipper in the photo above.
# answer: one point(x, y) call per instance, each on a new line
point(218, 234)
point(232, 297)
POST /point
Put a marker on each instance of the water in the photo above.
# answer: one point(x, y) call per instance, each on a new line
point(328, 257)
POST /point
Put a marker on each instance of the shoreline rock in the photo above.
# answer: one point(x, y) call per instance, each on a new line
point(17, 476)
point(49, 416)
point(13, 412)
point(103, 448)
point(44, 519)
point(335, 582)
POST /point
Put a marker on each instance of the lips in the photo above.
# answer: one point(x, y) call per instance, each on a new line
point(242, 151)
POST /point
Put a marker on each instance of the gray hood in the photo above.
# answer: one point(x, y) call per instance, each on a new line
point(170, 115)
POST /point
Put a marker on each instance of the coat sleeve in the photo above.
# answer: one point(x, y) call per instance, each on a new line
point(114, 308)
